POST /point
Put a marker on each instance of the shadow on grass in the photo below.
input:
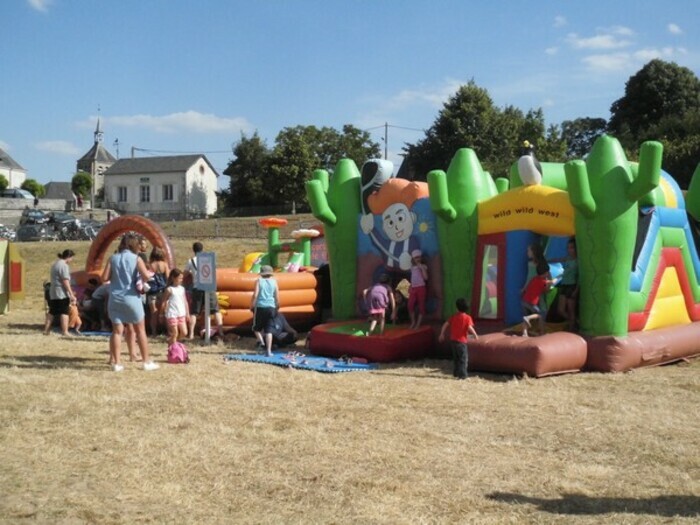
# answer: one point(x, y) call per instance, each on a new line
point(577, 504)
point(47, 362)
point(436, 369)
point(38, 327)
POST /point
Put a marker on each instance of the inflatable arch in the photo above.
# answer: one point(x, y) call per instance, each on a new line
point(639, 269)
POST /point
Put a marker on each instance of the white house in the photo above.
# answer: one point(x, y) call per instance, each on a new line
point(173, 187)
point(11, 170)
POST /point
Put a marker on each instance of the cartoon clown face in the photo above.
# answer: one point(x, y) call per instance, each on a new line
point(397, 222)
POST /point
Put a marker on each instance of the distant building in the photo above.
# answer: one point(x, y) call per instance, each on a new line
point(60, 191)
point(11, 170)
point(95, 162)
point(173, 187)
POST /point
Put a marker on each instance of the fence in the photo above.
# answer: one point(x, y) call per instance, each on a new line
point(233, 227)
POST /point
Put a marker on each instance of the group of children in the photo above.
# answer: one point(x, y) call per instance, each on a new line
point(379, 298)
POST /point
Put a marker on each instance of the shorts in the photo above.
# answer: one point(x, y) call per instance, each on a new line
point(377, 311)
point(262, 319)
point(567, 290)
point(174, 321)
point(197, 305)
point(154, 298)
point(531, 308)
point(59, 306)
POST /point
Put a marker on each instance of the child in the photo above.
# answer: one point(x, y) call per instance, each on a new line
point(174, 307)
point(531, 298)
point(568, 286)
point(264, 304)
point(460, 325)
point(416, 293)
point(378, 298)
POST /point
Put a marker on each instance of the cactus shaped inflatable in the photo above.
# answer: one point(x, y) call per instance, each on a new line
point(605, 195)
point(692, 197)
point(453, 198)
point(336, 203)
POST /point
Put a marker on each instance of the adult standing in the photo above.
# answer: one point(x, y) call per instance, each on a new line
point(61, 294)
point(124, 306)
point(154, 296)
point(197, 305)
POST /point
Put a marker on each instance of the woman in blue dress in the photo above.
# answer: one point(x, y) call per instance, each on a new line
point(124, 306)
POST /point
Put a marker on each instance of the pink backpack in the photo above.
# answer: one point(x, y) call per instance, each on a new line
point(177, 353)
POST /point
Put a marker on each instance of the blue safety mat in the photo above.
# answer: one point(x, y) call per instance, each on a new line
point(89, 333)
point(303, 362)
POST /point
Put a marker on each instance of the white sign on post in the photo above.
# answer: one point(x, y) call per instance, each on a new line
point(205, 279)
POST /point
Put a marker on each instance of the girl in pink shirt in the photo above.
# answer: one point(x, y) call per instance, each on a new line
point(417, 291)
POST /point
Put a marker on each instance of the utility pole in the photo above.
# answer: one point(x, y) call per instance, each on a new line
point(386, 140)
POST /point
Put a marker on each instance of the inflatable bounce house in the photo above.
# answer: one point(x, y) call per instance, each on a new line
point(12, 275)
point(639, 271)
point(235, 286)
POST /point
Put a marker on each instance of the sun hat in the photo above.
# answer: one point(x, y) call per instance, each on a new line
point(416, 253)
point(266, 270)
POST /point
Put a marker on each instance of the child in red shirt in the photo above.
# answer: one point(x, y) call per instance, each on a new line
point(532, 294)
point(460, 325)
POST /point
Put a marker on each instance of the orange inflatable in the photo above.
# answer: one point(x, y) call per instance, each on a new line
point(297, 294)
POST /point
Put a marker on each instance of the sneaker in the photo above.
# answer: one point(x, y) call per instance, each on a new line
point(117, 368)
point(150, 365)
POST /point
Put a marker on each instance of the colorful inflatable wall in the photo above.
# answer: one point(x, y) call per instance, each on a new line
point(639, 270)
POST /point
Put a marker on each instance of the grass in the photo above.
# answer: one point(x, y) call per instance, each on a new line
point(211, 442)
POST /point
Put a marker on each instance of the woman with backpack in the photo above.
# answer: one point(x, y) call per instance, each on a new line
point(157, 284)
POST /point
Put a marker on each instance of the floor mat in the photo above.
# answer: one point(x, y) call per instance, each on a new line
point(304, 362)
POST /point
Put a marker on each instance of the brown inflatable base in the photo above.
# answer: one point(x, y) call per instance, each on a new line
point(557, 353)
point(656, 347)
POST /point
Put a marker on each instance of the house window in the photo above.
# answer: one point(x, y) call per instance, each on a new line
point(167, 192)
point(121, 193)
point(145, 193)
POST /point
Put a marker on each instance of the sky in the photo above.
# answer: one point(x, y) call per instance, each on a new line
point(184, 76)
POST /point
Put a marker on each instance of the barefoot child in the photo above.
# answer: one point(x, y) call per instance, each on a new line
point(174, 307)
point(378, 297)
point(460, 326)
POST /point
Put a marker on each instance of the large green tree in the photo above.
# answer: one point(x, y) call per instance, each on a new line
point(470, 119)
point(248, 172)
point(661, 102)
point(580, 134)
point(81, 184)
point(34, 187)
point(260, 175)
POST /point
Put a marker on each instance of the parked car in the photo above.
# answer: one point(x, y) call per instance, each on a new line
point(7, 232)
point(16, 193)
point(34, 232)
point(33, 216)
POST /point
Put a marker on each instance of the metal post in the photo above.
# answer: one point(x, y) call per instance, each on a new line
point(386, 140)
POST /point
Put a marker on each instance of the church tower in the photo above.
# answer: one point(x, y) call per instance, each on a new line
point(95, 162)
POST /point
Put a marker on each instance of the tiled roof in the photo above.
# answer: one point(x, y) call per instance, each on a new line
point(9, 162)
point(174, 163)
point(98, 153)
point(58, 190)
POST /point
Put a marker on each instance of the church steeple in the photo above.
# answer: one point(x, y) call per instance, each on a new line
point(98, 129)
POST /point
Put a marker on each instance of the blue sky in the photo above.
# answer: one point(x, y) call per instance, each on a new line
point(189, 76)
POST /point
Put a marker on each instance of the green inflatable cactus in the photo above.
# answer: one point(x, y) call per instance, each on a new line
point(453, 198)
point(604, 194)
point(336, 203)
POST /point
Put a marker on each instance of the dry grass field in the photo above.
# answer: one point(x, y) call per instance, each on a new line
point(211, 442)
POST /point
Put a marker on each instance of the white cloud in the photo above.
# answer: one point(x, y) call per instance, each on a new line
point(618, 30)
point(434, 96)
point(186, 121)
point(645, 55)
point(59, 147)
point(40, 5)
point(603, 41)
point(551, 50)
point(559, 21)
point(626, 61)
point(674, 29)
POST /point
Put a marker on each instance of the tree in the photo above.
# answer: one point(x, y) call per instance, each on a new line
point(33, 187)
point(680, 136)
point(660, 89)
point(4, 183)
point(580, 134)
point(263, 176)
point(248, 171)
point(81, 184)
point(470, 119)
